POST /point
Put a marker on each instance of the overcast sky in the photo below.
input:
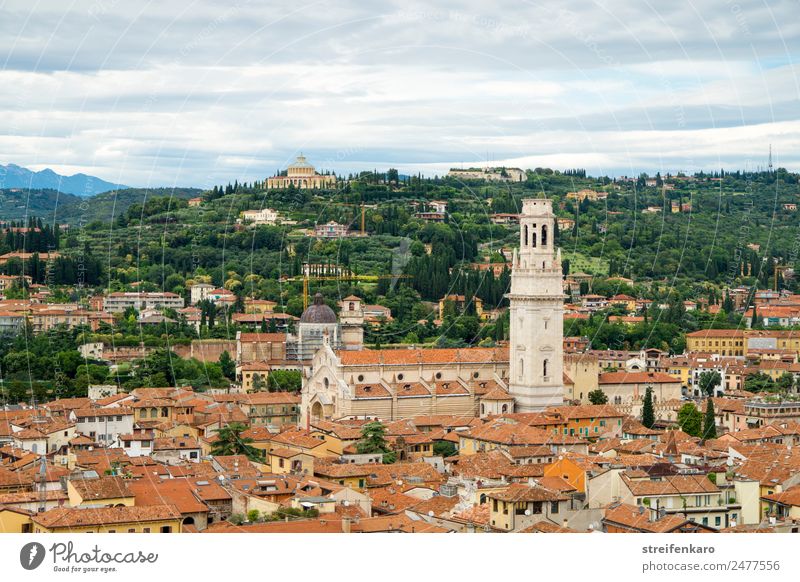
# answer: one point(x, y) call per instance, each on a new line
point(197, 93)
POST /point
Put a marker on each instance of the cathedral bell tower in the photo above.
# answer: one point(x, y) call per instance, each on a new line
point(536, 346)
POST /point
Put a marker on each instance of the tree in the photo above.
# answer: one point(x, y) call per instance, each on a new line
point(785, 382)
point(231, 442)
point(228, 365)
point(755, 322)
point(597, 396)
point(759, 382)
point(284, 381)
point(710, 422)
point(690, 419)
point(444, 449)
point(709, 380)
point(373, 440)
point(648, 414)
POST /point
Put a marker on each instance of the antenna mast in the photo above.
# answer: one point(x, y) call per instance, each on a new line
point(769, 166)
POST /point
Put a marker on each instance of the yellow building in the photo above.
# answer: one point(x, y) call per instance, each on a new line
point(254, 306)
point(724, 342)
point(625, 301)
point(14, 520)
point(517, 506)
point(350, 475)
point(679, 367)
point(460, 303)
point(123, 519)
point(101, 492)
point(784, 505)
point(283, 460)
point(591, 420)
point(153, 410)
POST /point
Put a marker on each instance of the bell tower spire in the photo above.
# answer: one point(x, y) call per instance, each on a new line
point(536, 349)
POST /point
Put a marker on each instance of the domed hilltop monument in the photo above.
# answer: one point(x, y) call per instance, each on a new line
point(301, 174)
point(536, 342)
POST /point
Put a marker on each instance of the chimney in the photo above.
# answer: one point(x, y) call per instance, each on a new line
point(345, 525)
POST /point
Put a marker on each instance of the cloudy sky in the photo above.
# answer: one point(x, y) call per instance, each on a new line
point(201, 92)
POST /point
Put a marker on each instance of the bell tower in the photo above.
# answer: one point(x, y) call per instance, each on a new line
point(536, 346)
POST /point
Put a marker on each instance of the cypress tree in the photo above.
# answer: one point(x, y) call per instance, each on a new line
point(710, 423)
point(648, 414)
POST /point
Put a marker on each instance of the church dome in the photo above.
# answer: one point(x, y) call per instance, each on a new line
point(318, 312)
point(301, 163)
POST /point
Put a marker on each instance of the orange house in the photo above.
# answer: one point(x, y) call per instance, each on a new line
point(592, 420)
point(572, 468)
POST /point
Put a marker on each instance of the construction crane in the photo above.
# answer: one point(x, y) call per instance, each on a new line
point(343, 277)
point(363, 215)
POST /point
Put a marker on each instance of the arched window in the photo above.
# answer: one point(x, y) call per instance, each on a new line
point(525, 231)
point(483, 409)
point(352, 306)
point(544, 235)
point(521, 368)
point(544, 368)
point(533, 238)
point(505, 408)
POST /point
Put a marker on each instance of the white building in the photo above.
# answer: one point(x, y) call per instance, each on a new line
point(119, 302)
point(103, 425)
point(263, 216)
point(536, 351)
point(137, 444)
point(199, 291)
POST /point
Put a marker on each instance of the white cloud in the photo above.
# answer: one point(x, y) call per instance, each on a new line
point(191, 92)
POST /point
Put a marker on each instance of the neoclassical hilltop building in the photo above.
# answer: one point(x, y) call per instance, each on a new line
point(302, 175)
point(396, 383)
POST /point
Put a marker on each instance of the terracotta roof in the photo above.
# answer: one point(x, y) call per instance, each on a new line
point(672, 485)
point(588, 411)
point(64, 517)
point(390, 523)
point(175, 443)
point(102, 488)
point(298, 438)
point(716, 333)
point(376, 390)
point(452, 388)
point(518, 492)
point(408, 389)
point(261, 398)
point(88, 412)
point(262, 337)
point(547, 527)
point(390, 500)
point(439, 505)
point(176, 492)
point(629, 516)
point(637, 378)
point(516, 434)
point(423, 356)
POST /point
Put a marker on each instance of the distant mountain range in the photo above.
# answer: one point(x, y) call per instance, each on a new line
point(13, 176)
point(54, 206)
